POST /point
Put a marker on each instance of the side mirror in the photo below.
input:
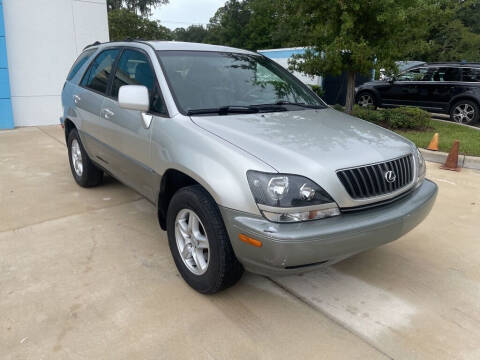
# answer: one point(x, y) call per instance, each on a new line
point(134, 97)
point(391, 80)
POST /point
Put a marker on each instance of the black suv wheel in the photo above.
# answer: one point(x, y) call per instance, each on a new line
point(464, 112)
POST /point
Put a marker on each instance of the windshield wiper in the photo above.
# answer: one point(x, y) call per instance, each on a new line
point(310, 106)
point(224, 110)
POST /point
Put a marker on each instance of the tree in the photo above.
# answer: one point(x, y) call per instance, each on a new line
point(194, 33)
point(351, 36)
point(143, 7)
point(125, 24)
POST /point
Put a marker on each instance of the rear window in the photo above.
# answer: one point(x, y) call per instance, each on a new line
point(82, 59)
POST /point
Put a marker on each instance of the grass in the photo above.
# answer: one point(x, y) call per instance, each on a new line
point(447, 132)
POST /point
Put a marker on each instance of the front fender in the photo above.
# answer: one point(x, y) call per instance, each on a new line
point(219, 166)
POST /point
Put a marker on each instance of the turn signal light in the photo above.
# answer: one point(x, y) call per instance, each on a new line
point(250, 241)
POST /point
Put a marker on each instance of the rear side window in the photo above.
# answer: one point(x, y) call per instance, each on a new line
point(134, 69)
point(82, 59)
point(471, 75)
point(97, 76)
point(446, 74)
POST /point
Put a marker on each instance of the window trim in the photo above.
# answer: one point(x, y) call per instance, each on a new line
point(156, 83)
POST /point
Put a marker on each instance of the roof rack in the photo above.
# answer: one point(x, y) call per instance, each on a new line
point(96, 43)
point(453, 63)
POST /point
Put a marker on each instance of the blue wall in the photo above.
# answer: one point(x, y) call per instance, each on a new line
point(6, 115)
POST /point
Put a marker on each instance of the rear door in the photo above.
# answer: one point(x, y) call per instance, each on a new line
point(435, 95)
point(405, 89)
point(89, 100)
point(129, 135)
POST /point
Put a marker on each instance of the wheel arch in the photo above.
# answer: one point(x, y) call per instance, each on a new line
point(463, 97)
point(172, 181)
point(69, 125)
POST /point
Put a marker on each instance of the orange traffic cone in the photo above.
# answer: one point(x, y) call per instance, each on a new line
point(452, 159)
point(434, 143)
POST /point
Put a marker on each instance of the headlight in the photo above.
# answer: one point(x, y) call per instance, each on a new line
point(421, 168)
point(290, 198)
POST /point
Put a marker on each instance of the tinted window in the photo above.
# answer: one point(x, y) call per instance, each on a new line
point(420, 74)
point(446, 74)
point(203, 80)
point(471, 75)
point(82, 59)
point(97, 75)
point(134, 69)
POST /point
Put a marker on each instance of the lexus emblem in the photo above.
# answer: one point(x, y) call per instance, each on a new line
point(390, 176)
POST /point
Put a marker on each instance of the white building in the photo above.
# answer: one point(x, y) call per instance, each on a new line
point(41, 39)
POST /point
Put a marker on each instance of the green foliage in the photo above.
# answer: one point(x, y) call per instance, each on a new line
point(318, 90)
point(448, 133)
point(407, 118)
point(357, 34)
point(194, 33)
point(144, 7)
point(404, 118)
point(125, 24)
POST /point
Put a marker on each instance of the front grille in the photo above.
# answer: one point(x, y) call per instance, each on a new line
point(371, 180)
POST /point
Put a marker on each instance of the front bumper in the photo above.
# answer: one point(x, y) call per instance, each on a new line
point(293, 248)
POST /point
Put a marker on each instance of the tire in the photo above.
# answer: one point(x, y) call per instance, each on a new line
point(222, 267)
point(366, 99)
point(465, 112)
point(85, 173)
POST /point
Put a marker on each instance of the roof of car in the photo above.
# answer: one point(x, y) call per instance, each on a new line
point(453, 63)
point(178, 45)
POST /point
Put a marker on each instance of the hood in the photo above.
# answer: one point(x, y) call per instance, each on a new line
point(311, 143)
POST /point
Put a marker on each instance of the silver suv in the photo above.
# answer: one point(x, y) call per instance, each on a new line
point(246, 166)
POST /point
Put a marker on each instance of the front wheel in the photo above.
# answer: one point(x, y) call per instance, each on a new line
point(464, 112)
point(199, 242)
point(366, 99)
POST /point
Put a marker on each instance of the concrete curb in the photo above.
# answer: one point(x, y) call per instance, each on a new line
point(464, 161)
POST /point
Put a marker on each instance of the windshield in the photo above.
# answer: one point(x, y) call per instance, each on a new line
point(216, 80)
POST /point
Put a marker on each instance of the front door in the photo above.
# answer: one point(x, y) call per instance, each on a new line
point(130, 136)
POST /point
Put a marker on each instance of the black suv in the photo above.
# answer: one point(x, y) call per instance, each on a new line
point(450, 88)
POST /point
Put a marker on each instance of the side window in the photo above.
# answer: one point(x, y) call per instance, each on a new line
point(446, 74)
point(134, 69)
point(471, 75)
point(96, 78)
point(420, 74)
point(81, 60)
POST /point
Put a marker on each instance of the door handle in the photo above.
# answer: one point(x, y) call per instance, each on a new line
point(107, 113)
point(76, 99)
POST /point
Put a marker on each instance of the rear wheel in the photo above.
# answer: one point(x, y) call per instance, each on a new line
point(366, 99)
point(199, 242)
point(85, 173)
point(465, 112)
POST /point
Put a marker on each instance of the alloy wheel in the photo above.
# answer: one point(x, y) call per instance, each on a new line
point(464, 113)
point(77, 161)
point(365, 100)
point(192, 241)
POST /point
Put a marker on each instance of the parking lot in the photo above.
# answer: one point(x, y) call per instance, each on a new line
point(87, 274)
